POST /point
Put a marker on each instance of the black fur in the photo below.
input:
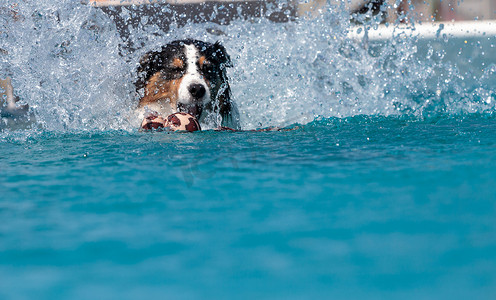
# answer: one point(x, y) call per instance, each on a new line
point(215, 72)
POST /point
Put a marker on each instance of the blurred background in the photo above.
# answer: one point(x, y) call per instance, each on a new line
point(427, 10)
point(424, 10)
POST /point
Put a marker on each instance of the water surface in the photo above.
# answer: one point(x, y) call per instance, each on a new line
point(369, 207)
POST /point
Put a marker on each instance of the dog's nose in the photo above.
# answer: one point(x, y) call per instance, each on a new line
point(197, 90)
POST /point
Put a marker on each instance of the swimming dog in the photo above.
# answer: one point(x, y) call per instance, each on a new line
point(188, 76)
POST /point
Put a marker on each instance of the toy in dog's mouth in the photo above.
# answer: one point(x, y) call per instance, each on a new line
point(193, 109)
point(176, 122)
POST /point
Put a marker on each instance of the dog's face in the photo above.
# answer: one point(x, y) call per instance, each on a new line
point(184, 76)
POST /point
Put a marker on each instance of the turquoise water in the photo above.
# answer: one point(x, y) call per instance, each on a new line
point(372, 207)
point(384, 189)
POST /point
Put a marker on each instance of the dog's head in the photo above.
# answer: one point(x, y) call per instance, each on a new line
point(184, 76)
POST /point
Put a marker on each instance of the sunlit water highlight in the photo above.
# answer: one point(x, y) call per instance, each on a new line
point(384, 189)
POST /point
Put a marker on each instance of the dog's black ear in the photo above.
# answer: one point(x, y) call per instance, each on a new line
point(149, 64)
point(221, 54)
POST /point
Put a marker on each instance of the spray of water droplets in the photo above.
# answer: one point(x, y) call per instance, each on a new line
point(70, 64)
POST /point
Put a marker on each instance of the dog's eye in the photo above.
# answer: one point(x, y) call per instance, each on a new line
point(176, 68)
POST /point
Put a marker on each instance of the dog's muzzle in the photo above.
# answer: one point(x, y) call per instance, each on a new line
point(197, 93)
point(193, 109)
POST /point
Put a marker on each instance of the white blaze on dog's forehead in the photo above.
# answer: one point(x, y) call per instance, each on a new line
point(192, 76)
point(191, 57)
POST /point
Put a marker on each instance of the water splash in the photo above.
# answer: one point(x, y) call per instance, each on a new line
point(65, 64)
point(69, 63)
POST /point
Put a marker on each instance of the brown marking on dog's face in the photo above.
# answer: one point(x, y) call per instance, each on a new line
point(202, 61)
point(177, 63)
point(159, 89)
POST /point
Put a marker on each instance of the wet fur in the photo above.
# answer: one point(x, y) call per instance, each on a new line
point(160, 74)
